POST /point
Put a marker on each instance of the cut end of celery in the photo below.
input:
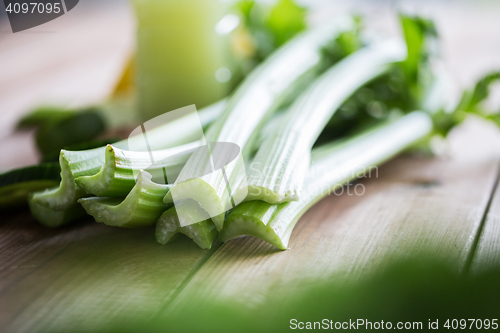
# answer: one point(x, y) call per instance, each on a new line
point(107, 211)
point(202, 233)
point(166, 228)
point(200, 191)
point(141, 208)
point(54, 218)
point(100, 183)
point(117, 213)
point(239, 225)
point(63, 196)
point(73, 164)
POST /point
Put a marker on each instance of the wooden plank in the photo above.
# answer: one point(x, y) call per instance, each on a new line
point(86, 275)
point(431, 208)
point(487, 254)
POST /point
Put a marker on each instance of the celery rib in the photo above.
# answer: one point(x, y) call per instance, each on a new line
point(142, 207)
point(117, 175)
point(75, 164)
point(282, 161)
point(331, 168)
point(281, 75)
point(52, 218)
point(202, 233)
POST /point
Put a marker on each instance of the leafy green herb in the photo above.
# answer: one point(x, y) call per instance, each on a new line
point(268, 27)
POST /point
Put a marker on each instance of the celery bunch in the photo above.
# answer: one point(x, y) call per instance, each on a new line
point(323, 106)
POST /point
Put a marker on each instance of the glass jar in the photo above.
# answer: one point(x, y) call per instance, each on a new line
point(181, 58)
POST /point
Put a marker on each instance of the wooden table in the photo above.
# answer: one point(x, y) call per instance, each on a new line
point(443, 207)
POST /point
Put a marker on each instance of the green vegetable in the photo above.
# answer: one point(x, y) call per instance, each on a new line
point(202, 233)
point(421, 41)
point(72, 164)
point(16, 185)
point(88, 162)
point(142, 207)
point(473, 98)
point(470, 104)
point(97, 143)
point(42, 114)
point(280, 76)
point(117, 175)
point(332, 167)
point(43, 171)
point(286, 20)
point(265, 28)
point(281, 164)
point(52, 218)
point(75, 128)
point(61, 128)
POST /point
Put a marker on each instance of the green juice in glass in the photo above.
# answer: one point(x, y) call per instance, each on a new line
point(180, 56)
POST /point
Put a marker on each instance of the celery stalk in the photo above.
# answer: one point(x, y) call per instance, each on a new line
point(203, 233)
point(283, 74)
point(329, 170)
point(282, 161)
point(73, 164)
point(142, 207)
point(52, 218)
point(76, 164)
point(117, 175)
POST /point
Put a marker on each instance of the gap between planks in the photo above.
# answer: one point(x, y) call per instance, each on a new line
point(486, 255)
